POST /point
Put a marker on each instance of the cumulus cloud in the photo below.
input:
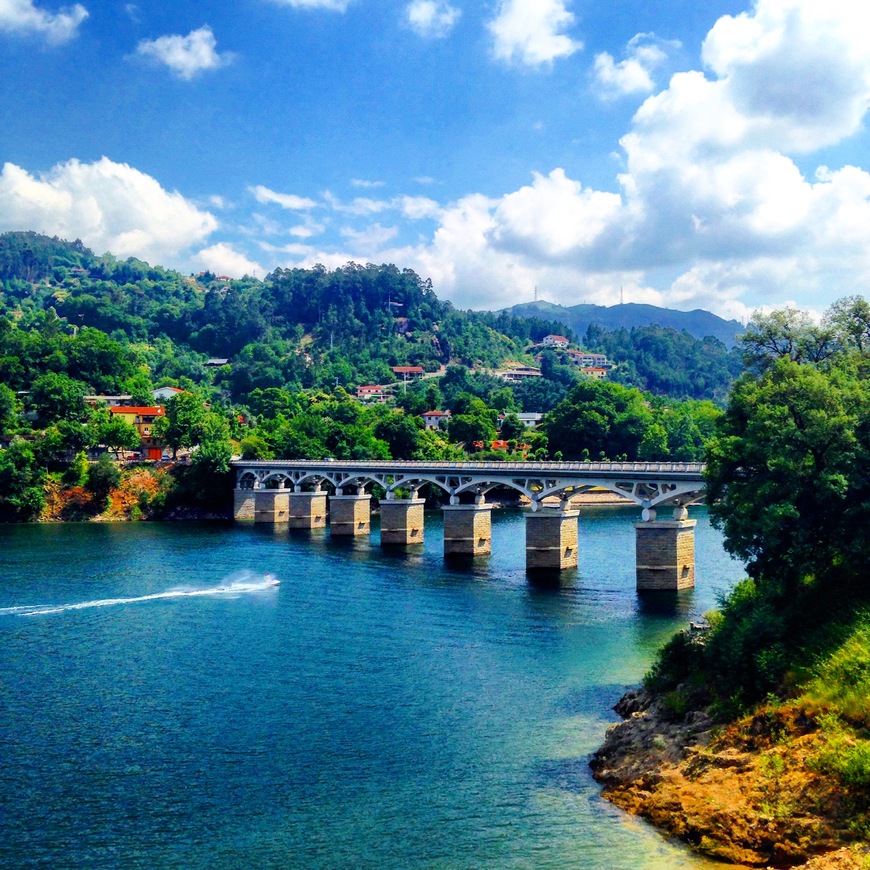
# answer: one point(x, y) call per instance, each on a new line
point(110, 206)
point(285, 200)
point(223, 259)
point(710, 193)
point(22, 16)
point(433, 19)
point(633, 74)
point(334, 5)
point(532, 32)
point(187, 56)
point(362, 182)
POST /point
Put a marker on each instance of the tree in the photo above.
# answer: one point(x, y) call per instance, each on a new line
point(601, 417)
point(55, 397)
point(182, 427)
point(401, 434)
point(787, 474)
point(785, 333)
point(117, 434)
point(8, 408)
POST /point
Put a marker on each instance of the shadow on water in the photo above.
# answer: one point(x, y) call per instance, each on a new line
point(548, 581)
point(597, 700)
point(666, 605)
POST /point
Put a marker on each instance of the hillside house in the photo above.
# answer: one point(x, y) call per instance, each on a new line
point(142, 418)
point(408, 373)
point(436, 419)
point(555, 341)
point(371, 394)
point(164, 394)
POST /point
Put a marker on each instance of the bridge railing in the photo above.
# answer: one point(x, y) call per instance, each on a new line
point(693, 468)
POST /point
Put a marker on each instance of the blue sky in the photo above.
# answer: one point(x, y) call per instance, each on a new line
point(695, 154)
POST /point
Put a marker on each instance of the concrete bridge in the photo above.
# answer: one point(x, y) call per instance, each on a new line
point(306, 494)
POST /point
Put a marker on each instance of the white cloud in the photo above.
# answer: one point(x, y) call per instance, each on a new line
point(362, 182)
point(367, 241)
point(433, 19)
point(187, 56)
point(110, 206)
point(532, 32)
point(223, 259)
point(633, 74)
point(798, 70)
point(333, 5)
point(285, 200)
point(21, 16)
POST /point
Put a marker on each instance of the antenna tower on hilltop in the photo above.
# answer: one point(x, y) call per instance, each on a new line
point(621, 296)
point(536, 292)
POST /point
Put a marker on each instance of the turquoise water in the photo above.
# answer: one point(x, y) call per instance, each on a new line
point(377, 709)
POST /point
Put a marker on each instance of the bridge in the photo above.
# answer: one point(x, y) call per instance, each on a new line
point(307, 494)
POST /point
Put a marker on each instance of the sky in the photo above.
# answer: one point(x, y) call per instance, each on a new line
point(685, 153)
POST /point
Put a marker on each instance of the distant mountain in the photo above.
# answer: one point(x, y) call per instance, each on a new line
point(698, 323)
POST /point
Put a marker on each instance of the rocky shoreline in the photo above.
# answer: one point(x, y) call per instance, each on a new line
point(740, 793)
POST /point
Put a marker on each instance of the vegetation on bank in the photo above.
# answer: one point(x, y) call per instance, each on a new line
point(268, 369)
point(786, 658)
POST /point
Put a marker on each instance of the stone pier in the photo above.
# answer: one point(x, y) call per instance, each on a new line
point(551, 539)
point(402, 521)
point(271, 505)
point(244, 504)
point(665, 553)
point(307, 510)
point(467, 529)
point(350, 514)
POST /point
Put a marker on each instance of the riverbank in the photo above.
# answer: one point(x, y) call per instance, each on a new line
point(751, 793)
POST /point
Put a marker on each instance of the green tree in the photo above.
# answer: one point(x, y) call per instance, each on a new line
point(600, 417)
point(183, 425)
point(55, 396)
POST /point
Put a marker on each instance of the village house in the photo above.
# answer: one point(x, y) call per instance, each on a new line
point(371, 394)
point(555, 341)
point(529, 419)
point(436, 419)
point(408, 373)
point(518, 373)
point(597, 374)
point(164, 394)
point(142, 418)
point(585, 358)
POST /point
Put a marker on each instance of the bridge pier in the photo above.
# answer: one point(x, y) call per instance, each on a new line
point(467, 529)
point(307, 510)
point(402, 521)
point(551, 539)
point(244, 504)
point(271, 505)
point(665, 551)
point(350, 515)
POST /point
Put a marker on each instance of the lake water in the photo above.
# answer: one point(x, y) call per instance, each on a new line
point(377, 709)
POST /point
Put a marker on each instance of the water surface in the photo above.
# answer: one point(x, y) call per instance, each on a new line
point(377, 709)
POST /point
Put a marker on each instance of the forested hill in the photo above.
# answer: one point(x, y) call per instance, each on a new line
point(579, 318)
point(303, 326)
point(308, 328)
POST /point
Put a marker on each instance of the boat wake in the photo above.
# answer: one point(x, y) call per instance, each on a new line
point(236, 587)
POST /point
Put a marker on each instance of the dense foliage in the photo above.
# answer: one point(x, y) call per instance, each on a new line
point(268, 369)
point(789, 483)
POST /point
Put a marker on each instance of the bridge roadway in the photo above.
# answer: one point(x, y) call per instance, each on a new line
point(292, 491)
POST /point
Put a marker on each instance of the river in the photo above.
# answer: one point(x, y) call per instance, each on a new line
point(161, 706)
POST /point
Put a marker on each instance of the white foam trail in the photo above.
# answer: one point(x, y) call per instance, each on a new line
point(235, 588)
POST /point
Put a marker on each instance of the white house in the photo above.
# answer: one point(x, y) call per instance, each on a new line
point(555, 341)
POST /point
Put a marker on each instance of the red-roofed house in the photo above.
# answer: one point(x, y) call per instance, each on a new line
point(555, 341)
point(142, 418)
point(371, 393)
point(436, 419)
point(408, 373)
